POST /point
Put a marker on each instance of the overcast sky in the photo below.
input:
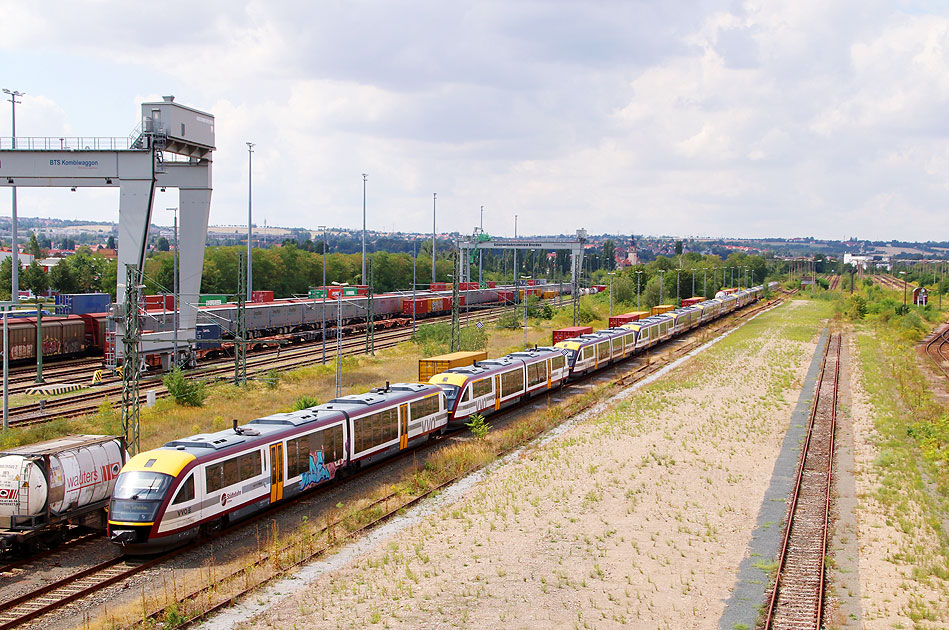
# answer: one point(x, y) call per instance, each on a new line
point(800, 118)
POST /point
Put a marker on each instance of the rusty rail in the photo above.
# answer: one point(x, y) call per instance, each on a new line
point(797, 596)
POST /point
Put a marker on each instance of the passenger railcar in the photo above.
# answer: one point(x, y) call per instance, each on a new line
point(488, 386)
point(166, 496)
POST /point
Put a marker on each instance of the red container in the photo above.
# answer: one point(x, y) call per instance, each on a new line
point(600, 288)
point(570, 332)
point(492, 284)
point(505, 297)
point(619, 320)
point(160, 302)
point(438, 286)
point(692, 301)
point(423, 306)
point(261, 296)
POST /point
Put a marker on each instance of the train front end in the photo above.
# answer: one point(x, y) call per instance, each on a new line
point(139, 498)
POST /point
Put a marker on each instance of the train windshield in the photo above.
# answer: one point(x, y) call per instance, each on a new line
point(137, 496)
point(571, 356)
point(141, 486)
point(451, 394)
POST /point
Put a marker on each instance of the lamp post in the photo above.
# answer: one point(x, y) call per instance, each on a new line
point(524, 325)
point(15, 273)
point(363, 276)
point(515, 253)
point(175, 286)
point(323, 316)
point(414, 266)
point(434, 195)
point(678, 299)
point(661, 271)
point(250, 259)
point(638, 275)
point(705, 282)
point(480, 251)
point(693, 283)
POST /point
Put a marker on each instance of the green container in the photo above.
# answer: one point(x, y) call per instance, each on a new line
point(317, 293)
point(212, 299)
point(350, 292)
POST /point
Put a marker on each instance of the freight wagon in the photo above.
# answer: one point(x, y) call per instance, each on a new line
point(62, 337)
point(48, 487)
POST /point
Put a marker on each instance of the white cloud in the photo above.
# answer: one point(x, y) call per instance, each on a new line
point(723, 118)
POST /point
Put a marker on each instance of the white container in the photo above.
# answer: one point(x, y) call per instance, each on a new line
point(60, 475)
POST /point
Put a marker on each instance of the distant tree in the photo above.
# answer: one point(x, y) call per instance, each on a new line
point(34, 278)
point(62, 278)
point(110, 242)
point(161, 245)
point(609, 254)
point(33, 247)
point(6, 274)
point(678, 248)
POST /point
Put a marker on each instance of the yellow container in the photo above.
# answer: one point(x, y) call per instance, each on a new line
point(427, 368)
point(662, 308)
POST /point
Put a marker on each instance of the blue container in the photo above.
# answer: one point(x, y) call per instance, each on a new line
point(82, 303)
point(211, 332)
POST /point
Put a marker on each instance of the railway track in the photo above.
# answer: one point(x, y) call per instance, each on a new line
point(74, 541)
point(937, 349)
point(834, 282)
point(889, 282)
point(797, 597)
point(57, 594)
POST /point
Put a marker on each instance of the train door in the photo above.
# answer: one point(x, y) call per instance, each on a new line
point(403, 426)
point(497, 392)
point(276, 472)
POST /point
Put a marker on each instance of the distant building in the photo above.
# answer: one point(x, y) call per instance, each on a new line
point(23, 258)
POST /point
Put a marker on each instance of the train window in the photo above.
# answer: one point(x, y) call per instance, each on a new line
point(467, 396)
point(586, 354)
point(536, 373)
point(603, 350)
point(298, 457)
point(185, 492)
point(482, 387)
point(232, 473)
point(425, 407)
point(330, 441)
point(213, 477)
point(249, 465)
point(557, 362)
point(512, 382)
point(375, 429)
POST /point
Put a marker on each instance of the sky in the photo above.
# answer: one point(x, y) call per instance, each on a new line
point(698, 118)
